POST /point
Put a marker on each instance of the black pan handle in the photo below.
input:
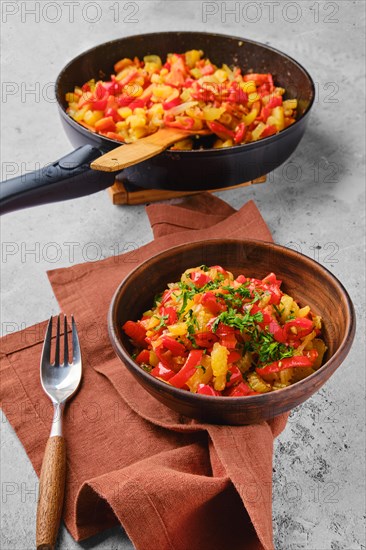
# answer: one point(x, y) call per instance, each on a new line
point(67, 178)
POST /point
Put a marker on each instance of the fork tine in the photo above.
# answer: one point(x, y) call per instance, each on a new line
point(66, 344)
point(57, 352)
point(46, 351)
point(75, 341)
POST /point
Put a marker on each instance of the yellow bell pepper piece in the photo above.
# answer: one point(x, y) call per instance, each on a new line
point(179, 329)
point(250, 117)
point(124, 112)
point(212, 113)
point(257, 383)
point(290, 104)
point(91, 117)
point(221, 75)
point(72, 98)
point(248, 87)
point(219, 365)
point(153, 59)
point(303, 312)
point(153, 359)
point(79, 115)
point(202, 375)
point(258, 131)
point(136, 121)
point(277, 118)
point(192, 56)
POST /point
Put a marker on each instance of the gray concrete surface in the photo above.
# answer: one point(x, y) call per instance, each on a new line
point(314, 203)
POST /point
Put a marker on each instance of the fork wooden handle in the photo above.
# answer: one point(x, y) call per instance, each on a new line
point(51, 493)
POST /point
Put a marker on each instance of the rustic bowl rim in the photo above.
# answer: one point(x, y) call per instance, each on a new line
point(224, 401)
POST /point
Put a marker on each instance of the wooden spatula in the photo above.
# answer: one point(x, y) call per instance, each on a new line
point(142, 149)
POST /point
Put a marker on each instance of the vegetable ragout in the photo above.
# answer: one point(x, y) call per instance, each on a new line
point(213, 334)
point(186, 92)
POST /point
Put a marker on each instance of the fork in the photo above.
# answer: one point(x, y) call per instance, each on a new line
point(60, 382)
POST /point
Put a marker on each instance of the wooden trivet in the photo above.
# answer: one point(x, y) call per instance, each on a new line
point(121, 193)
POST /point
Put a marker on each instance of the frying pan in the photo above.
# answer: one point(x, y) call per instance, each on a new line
point(201, 169)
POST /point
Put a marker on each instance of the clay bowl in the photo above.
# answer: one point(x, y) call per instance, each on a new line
point(304, 279)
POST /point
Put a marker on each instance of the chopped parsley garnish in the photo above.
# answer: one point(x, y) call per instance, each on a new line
point(278, 310)
point(162, 323)
point(244, 322)
point(269, 350)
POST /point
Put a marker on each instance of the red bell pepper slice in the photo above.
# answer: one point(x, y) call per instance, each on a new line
point(105, 124)
point(233, 357)
point(269, 130)
point(219, 269)
point(240, 133)
point(186, 123)
point(276, 294)
point(124, 100)
point(303, 327)
point(259, 79)
point(170, 312)
point(210, 302)
point(271, 279)
point(266, 316)
point(188, 369)
point(241, 279)
point(166, 296)
point(100, 92)
point(277, 331)
point(205, 339)
point(113, 87)
point(188, 82)
point(164, 356)
point(167, 105)
point(173, 346)
point(265, 113)
point(143, 357)
point(275, 101)
point(204, 389)
point(200, 279)
point(176, 77)
point(241, 390)
point(223, 330)
point(207, 69)
point(270, 82)
point(229, 341)
point(287, 363)
point(203, 94)
point(312, 354)
point(221, 130)
point(99, 104)
point(139, 103)
point(127, 79)
point(234, 377)
point(279, 334)
point(135, 331)
point(237, 95)
point(113, 113)
point(113, 135)
point(160, 371)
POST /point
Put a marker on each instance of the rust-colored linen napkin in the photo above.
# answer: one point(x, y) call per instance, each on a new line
point(172, 482)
